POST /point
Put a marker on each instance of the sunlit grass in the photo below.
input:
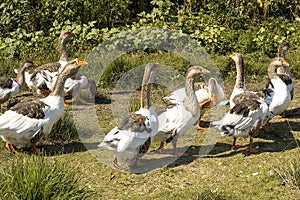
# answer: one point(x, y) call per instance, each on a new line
point(34, 177)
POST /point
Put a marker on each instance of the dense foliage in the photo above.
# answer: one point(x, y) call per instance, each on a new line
point(256, 27)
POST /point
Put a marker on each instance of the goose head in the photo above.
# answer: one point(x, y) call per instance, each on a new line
point(236, 57)
point(66, 36)
point(276, 66)
point(27, 64)
point(71, 69)
point(190, 102)
point(195, 71)
point(63, 39)
point(283, 48)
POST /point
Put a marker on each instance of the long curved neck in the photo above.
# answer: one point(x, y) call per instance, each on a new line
point(190, 102)
point(282, 52)
point(20, 79)
point(58, 89)
point(240, 74)
point(145, 94)
point(63, 50)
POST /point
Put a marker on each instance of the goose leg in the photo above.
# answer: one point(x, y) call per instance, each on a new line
point(115, 162)
point(234, 146)
point(199, 127)
point(281, 115)
point(10, 147)
point(267, 127)
point(34, 148)
point(251, 150)
point(161, 146)
point(175, 152)
point(83, 101)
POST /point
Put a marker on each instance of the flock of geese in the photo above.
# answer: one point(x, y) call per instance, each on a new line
point(24, 123)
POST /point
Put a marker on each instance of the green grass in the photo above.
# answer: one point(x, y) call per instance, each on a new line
point(63, 131)
point(290, 173)
point(222, 174)
point(35, 177)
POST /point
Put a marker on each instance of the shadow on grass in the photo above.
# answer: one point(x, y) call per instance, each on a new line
point(278, 140)
point(293, 113)
point(73, 147)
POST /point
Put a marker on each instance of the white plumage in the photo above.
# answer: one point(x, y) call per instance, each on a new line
point(281, 93)
point(25, 122)
point(10, 87)
point(243, 120)
point(176, 119)
point(43, 79)
point(132, 137)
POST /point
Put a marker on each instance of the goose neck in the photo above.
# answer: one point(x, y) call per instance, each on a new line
point(240, 74)
point(190, 102)
point(63, 51)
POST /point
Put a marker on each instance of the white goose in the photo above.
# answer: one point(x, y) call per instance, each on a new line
point(74, 84)
point(284, 73)
point(208, 96)
point(176, 119)
point(10, 87)
point(282, 96)
point(44, 77)
point(25, 122)
point(132, 137)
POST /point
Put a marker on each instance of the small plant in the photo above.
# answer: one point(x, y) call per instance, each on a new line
point(199, 193)
point(290, 174)
point(34, 177)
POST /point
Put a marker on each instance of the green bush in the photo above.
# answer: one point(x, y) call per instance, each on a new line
point(29, 29)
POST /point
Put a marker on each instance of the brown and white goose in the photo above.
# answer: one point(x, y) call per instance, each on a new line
point(24, 123)
point(176, 119)
point(239, 92)
point(243, 120)
point(132, 137)
point(10, 87)
point(44, 77)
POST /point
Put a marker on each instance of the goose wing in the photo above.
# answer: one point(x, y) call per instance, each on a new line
point(130, 134)
point(23, 122)
point(243, 117)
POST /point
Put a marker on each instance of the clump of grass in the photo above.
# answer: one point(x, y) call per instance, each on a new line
point(197, 194)
point(290, 174)
point(64, 130)
point(34, 177)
